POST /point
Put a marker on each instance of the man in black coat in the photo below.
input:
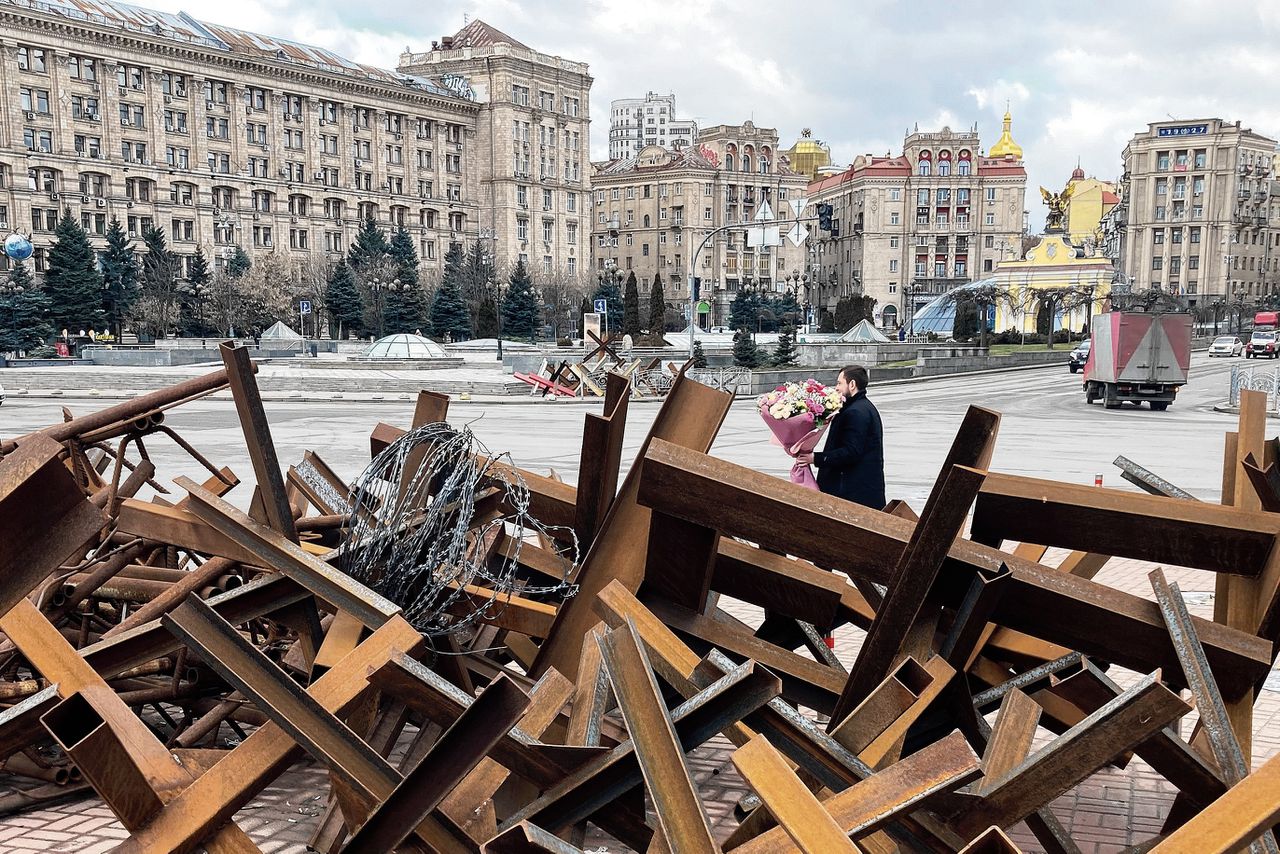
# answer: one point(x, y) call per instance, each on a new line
point(851, 464)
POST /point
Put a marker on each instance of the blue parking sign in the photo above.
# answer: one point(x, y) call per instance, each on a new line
point(602, 306)
point(304, 306)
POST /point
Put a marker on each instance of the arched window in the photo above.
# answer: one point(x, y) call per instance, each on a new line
point(299, 205)
point(746, 163)
point(889, 317)
point(646, 220)
point(924, 165)
point(764, 166)
point(963, 165)
point(944, 168)
point(924, 168)
point(728, 161)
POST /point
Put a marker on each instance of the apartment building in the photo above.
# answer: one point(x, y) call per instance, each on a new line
point(912, 226)
point(1198, 211)
point(222, 137)
point(532, 138)
point(653, 212)
point(651, 120)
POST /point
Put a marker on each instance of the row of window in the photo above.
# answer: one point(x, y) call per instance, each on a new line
point(548, 231)
point(569, 106)
point(548, 199)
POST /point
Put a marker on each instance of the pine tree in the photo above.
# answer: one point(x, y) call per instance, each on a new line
point(487, 319)
point(744, 310)
point(631, 308)
point(521, 313)
point(71, 280)
point(784, 354)
point(745, 352)
point(699, 357)
point(342, 301)
point(239, 263)
point(158, 283)
point(119, 277)
point(369, 249)
point(449, 315)
point(24, 323)
point(406, 309)
point(657, 308)
point(609, 291)
point(193, 297)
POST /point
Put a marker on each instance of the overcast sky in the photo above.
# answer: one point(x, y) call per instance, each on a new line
point(1080, 78)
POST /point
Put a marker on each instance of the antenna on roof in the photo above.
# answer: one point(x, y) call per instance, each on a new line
point(466, 19)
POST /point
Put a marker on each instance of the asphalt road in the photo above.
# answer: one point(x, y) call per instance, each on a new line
point(1047, 431)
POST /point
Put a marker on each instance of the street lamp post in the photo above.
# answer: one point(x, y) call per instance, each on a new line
point(381, 281)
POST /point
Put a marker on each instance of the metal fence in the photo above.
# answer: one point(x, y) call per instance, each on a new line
point(1255, 379)
point(725, 379)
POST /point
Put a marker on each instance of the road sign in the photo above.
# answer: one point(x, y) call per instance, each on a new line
point(767, 235)
point(304, 306)
point(602, 306)
point(798, 234)
point(798, 205)
point(764, 213)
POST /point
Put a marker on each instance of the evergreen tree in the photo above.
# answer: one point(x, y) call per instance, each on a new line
point(71, 280)
point(631, 308)
point(239, 263)
point(745, 352)
point(24, 313)
point(406, 309)
point(158, 283)
point(342, 301)
point(520, 310)
point(657, 308)
point(369, 249)
point(487, 318)
point(193, 297)
point(826, 322)
point(119, 276)
point(449, 314)
point(474, 284)
point(965, 325)
point(609, 291)
point(784, 354)
point(744, 310)
point(699, 357)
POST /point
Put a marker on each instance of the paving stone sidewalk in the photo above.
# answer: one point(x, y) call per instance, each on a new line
point(1112, 811)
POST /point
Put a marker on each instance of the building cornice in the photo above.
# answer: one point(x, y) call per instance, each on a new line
point(300, 75)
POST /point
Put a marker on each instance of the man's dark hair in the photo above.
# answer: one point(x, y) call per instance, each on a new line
point(856, 374)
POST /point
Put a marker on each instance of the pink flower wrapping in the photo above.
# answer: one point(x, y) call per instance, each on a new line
point(796, 435)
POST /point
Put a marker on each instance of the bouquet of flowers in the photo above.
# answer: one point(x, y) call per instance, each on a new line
point(798, 414)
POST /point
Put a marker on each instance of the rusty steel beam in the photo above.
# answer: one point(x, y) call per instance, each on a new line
point(20, 725)
point(1148, 481)
point(450, 759)
point(44, 517)
point(940, 523)
point(690, 417)
point(600, 782)
point(273, 550)
point(1234, 820)
point(600, 459)
point(295, 711)
point(1265, 481)
point(682, 819)
point(1123, 524)
point(795, 808)
point(970, 629)
point(895, 792)
point(179, 527)
point(128, 766)
point(257, 437)
point(526, 838)
point(1074, 612)
point(789, 588)
point(1119, 726)
point(216, 795)
point(992, 841)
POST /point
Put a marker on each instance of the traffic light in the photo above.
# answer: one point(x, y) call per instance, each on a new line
point(697, 287)
point(824, 216)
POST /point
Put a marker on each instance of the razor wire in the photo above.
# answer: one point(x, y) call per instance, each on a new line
point(415, 539)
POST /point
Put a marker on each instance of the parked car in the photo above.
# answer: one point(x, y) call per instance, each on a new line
point(1077, 357)
point(1262, 343)
point(1226, 345)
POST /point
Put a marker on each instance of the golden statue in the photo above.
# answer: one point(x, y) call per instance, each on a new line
point(1057, 202)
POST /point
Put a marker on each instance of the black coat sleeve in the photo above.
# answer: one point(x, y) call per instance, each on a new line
point(850, 444)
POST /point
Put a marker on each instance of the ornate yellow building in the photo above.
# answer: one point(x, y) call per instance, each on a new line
point(1090, 201)
point(808, 155)
point(1054, 262)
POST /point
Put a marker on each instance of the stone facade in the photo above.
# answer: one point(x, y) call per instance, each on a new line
point(651, 120)
point(532, 135)
point(911, 227)
point(1198, 213)
point(225, 138)
point(653, 212)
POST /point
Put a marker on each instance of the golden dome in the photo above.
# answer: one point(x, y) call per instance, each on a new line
point(1005, 146)
point(808, 155)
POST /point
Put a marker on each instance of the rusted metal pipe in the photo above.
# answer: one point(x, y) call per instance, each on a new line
point(171, 598)
point(135, 590)
point(20, 763)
